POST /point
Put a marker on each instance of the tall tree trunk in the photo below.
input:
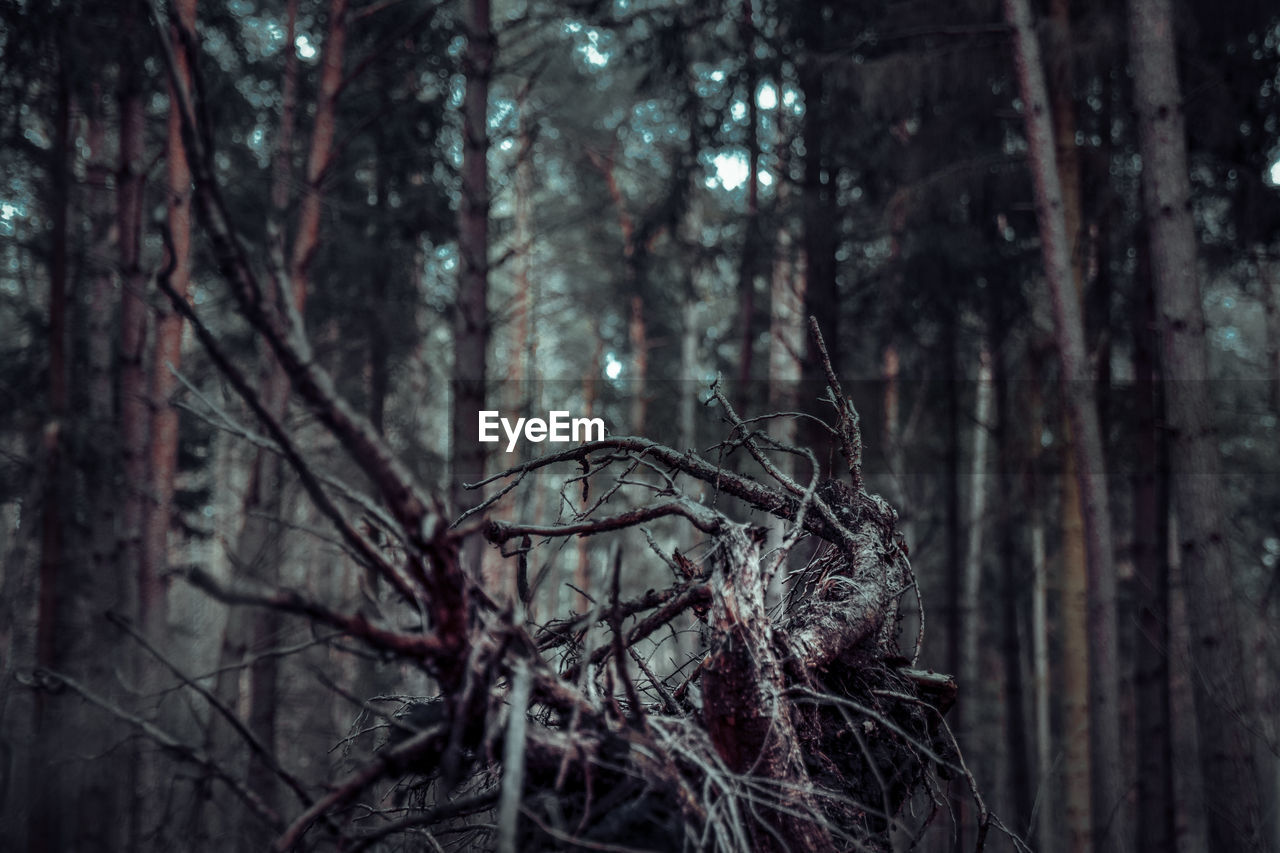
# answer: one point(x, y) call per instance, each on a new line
point(819, 214)
point(52, 552)
point(167, 348)
point(1013, 577)
point(471, 318)
point(1151, 573)
point(786, 346)
point(687, 389)
point(1224, 707)
point(522, 311)
point(590, 398)
point(133, 307)
point(1110, 819)
point(748, 263)
point(132, 389)
point(46, 832)
point(103, 485)
point(971, 583)
point(320, 153)
point(97, 582)
point(1074, 615)
point(1269, 281)
point(638, 338)
point(259, 549)
point(1046, 836)
point(1074, 594)
point(1190, 823)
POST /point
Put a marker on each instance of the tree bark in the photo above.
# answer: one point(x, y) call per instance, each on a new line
point(320, 153)
point(1110, 821)
point(971, 587)
point(471, 316)
point(1151, 574)
point(1046, 825)
point(1190, 825)
point(259, 549)
point(1013, 576)
point(132, 393)
point(820, 216)
point(1074, 590)
point(1269, 281)
point(748, 262)
point(1224, 706)
point(638, 338)
point(46, 831)
point(744, 709)
point(167, 350)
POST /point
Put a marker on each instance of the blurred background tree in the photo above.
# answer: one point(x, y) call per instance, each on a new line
point(644, 196)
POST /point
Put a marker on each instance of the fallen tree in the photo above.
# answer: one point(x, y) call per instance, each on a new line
point(801, 727)
point(804, 728)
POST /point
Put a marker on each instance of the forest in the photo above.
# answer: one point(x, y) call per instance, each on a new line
point(639, 425)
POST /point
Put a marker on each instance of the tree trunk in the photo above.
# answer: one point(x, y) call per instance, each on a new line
point(1046, 834)
point(820, 218)
point(748, 263)
point(320, 153)
point(259, 550)
point(1013, 575)
point(972, 680)
point(103, 485)
point(688, 389)
point(1074, 590)
point(133, 307)
point(1269, 281)
point(132, 389)
point(471, 317)
point(1110, 821)
point(638, 338)
point(47, 832)
point(1190, 826)
point(1151, 573)
point(1224, 707)
point(167, 351)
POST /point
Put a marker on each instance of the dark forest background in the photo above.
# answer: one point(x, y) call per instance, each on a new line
point(262, 262)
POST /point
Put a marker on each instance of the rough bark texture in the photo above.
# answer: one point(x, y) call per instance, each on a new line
point(1224, 707)
point(1110, 823)
point(745, 710)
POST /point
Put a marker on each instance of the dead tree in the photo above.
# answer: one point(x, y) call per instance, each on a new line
point(801, 727)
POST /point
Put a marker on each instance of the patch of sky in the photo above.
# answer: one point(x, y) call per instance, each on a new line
point(306, 50)
point(593, 46)
point(9, 214)
point(263, 37)
point(767, 96)
point(612, 367)
point(729, 170)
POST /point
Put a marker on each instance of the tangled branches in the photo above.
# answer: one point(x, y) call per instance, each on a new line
point(800, 725)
